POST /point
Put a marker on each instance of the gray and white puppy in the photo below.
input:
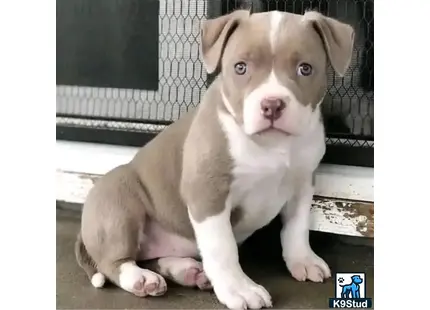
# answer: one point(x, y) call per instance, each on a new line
point(226, 169)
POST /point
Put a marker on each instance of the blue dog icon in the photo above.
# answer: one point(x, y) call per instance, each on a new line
point(352, 290)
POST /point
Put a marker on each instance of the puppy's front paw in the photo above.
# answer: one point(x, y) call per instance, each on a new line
point(243, 294)
point(308, 267)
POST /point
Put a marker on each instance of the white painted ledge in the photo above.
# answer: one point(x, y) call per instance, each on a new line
point(334, 181)
point(344, 194)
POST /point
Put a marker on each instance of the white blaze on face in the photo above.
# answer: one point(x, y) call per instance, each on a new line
point(275, 21)
point(294, 117)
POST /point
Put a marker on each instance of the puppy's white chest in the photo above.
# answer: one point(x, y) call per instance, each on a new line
point(260, 189)
point(264, 173)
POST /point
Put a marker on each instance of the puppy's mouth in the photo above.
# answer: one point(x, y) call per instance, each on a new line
point(272, 129)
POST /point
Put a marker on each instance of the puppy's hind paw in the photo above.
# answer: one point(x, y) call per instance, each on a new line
point(141, 282)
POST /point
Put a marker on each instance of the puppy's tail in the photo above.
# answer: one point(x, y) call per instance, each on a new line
point(87, 264)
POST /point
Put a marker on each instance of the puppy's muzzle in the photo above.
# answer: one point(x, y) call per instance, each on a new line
point(273, 107)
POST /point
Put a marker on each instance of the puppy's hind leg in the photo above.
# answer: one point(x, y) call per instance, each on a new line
point(113, 220)
point(185, 271)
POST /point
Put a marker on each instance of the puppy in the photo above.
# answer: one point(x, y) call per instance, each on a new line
point(210, 180)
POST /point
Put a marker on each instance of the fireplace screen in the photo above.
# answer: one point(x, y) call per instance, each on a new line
point(126, 69)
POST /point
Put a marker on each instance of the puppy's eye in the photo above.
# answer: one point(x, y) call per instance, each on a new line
point(240, 68)
point(304, 69)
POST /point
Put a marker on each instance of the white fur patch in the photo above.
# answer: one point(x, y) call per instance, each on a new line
point(263, 173)
point(297, 214)
point(216, 241)
point(221, 264)
point(275, 22)
point(273, 176)
point(302, 262)
point(259, 172)
point(295, 119)
point(98, 280)
point(130, 274)
point(227, 103)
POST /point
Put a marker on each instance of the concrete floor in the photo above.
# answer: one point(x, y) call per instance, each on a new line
point(261, 259)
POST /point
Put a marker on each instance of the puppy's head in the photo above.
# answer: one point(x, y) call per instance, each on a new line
point(274, 66)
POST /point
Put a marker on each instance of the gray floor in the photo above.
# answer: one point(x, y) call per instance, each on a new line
point(260, 257)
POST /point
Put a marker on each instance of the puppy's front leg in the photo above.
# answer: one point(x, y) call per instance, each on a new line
point(301, 260)
point(218, 248)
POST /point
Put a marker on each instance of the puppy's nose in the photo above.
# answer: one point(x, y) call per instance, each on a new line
point(272, 108)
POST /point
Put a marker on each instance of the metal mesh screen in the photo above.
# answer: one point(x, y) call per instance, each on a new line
point(182, 79)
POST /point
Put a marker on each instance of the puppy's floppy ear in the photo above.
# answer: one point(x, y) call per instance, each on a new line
point(215, 33)
point(338, 39)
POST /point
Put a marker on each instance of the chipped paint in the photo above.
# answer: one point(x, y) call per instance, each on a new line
point(353, 218)
point(344, 217)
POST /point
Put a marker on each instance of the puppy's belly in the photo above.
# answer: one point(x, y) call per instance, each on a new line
point(156, 242)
